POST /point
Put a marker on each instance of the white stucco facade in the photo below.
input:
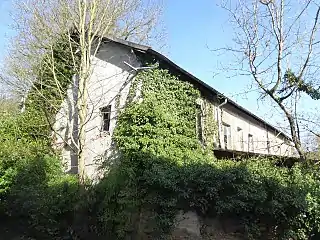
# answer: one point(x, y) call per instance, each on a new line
point(264, 140)
point(109, 86)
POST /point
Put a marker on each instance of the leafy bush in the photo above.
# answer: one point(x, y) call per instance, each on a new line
point(34, 191)
point(255, 191)
point(268, 200)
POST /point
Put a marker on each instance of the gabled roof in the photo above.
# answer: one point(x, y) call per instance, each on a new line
point(148, 50)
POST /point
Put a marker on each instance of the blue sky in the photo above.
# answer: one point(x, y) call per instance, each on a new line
point(5, 31)
point(193, 28)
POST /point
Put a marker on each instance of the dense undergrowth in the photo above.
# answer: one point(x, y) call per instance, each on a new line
point(35, 194)
point(162, 168)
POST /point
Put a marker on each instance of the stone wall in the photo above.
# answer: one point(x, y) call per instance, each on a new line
point(189, 225)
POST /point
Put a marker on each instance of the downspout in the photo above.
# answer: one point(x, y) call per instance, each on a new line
point(220, 121)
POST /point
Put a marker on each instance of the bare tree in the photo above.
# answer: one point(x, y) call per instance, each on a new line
point(77, 28)
point(276, 42)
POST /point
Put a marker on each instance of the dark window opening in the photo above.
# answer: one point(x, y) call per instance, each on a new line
point(106, 117)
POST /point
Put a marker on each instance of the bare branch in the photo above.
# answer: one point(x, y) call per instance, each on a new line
point(313, 31)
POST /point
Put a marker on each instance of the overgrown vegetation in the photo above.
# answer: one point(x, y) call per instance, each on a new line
point(35, 194)
point(162, 168)
point(162, 126)
point(49, 89)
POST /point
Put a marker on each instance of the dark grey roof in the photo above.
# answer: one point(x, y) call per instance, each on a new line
point(149, 50)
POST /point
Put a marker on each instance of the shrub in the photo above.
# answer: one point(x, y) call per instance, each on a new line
point(34, 191)
point(267, 199)
point(255, 191)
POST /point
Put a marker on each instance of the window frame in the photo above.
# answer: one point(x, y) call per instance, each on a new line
point(106, 118)
point(268, 147)
point(227, 135)
point(250, 141)
point(199, 124)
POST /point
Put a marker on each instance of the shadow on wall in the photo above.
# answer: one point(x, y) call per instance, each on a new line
point(116, 55)
point(109, 53)
point(73, 118)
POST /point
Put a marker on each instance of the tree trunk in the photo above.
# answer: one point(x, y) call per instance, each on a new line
point(293, 130)
point(82, 108)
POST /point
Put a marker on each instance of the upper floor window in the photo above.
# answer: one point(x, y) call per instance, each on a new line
point(227, 136)
point(106, 117)
point(250, 143)
point(240, 138)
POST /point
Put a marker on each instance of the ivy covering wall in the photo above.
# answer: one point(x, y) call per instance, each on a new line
point(164, 123)
point(54, 76)
point(156, 130)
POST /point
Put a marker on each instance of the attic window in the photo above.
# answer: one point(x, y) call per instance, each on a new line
point(106, 117)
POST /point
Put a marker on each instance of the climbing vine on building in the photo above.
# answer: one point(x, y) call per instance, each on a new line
point(210, 127)
point(54, 76)
point(163, 124)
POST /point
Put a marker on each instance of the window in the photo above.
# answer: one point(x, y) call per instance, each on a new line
point(268, 146)
point(227, 136)
point(250, 143)
point(106, 117)
point(240, 139)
